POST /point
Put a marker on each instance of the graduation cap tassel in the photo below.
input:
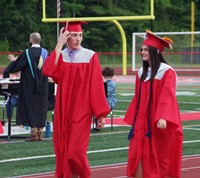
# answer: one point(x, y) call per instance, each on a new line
point(148, 134)
point(131, 133)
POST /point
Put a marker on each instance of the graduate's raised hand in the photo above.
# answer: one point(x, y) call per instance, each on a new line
point(62, 40)
point(64, 35)
point(162, 124)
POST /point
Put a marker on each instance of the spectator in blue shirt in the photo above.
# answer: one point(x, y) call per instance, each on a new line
point(108, 74)
point(110, 90)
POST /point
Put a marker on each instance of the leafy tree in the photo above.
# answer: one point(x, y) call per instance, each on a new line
point(19, 18)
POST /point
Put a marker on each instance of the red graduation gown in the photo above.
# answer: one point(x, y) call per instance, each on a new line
point(80, 94)
point(161, 153)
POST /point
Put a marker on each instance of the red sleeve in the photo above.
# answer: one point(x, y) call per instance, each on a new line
point(167, 107)
point(97, 93)
point(50, 69)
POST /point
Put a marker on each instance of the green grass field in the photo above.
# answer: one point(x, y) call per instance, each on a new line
point(18, 157)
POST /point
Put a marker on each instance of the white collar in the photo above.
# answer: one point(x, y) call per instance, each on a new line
point(35, 45)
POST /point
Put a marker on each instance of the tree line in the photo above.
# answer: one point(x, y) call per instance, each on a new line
point(19, 18)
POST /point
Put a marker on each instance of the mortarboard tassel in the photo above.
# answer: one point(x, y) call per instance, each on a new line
point(148, 134)
point(131, 133)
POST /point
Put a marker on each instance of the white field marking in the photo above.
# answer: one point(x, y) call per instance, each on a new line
point(107, 150)
point(119, 111)
point(188, 128)
point(185, 93)
point(118, 116)
point(26, 158)
point(189, 102)
point(189, 111)
point(127, 101)
point(89, 152)
point(182, 111)
point(192, 141)
point(126, 94)
point(191, 157)
point(190, 168)
point(194, 125)
point(47, 156)
point(178, 93)
point(124, 111)
point(188, 157)
point(39, 175)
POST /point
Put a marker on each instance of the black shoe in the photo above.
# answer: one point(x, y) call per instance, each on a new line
point(95, 130)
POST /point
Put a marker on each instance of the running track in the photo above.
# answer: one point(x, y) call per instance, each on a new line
point(190, 169)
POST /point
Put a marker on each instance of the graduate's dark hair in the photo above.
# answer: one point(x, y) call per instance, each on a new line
point(156, 58)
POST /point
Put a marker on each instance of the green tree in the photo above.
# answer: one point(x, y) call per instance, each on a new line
point(19, 18)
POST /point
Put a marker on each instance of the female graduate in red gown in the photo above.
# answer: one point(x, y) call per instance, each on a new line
point(156, 136)
point(80, 95)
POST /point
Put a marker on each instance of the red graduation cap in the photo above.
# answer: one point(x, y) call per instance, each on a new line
point(75, 26)
point(157, 42)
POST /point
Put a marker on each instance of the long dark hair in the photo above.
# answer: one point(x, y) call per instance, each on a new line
point(156, 58)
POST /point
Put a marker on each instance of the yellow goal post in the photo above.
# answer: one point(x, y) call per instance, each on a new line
point(113, 19)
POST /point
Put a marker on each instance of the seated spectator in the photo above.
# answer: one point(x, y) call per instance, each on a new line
point(13, 98)
point(108, 74)
point(110, 90)
point(9, 113)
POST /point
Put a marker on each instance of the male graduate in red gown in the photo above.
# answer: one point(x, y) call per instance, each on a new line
point(156, 136)
point(80, 95)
